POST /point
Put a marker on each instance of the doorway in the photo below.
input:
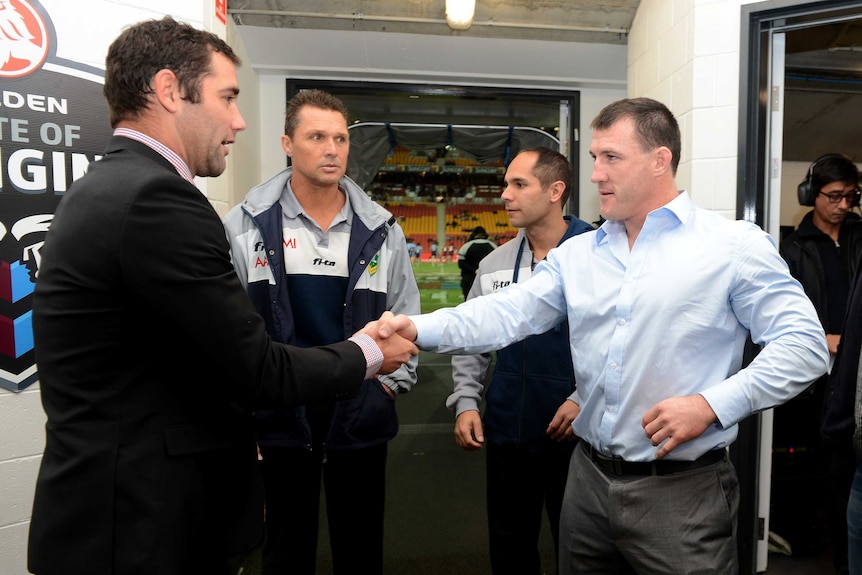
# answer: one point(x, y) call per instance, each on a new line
point(510, 119)
point(798, 71)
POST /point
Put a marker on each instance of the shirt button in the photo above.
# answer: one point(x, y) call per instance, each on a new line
point(613, 365)
point(622, 322)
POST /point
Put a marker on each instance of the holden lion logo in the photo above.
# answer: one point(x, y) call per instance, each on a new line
point(23, 39)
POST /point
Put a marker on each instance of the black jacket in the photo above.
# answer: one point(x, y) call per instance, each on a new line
point(151, 359)
point(800, 251)
point(839, 419)
point(802, 254)
point(469, 257)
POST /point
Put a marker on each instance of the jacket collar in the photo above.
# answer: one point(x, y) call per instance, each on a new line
point(265, 195)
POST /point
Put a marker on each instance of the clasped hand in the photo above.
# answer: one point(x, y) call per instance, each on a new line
point(396, 349)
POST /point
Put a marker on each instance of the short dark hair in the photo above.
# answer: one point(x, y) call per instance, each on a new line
point(314, 98)
point(143, 49)
point(655, 125)
point(550, 167)
point(830, 168)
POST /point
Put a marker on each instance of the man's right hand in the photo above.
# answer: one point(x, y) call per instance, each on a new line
point(468, 430)
point(394, 334)
point(396, 351)
point(832, 340)
point(399, 324)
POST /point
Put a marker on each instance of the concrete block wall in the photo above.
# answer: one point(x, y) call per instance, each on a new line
point(685, 53)
point(22, 438)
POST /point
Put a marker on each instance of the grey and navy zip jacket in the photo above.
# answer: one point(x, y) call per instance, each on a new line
point(532, 377)
point(380, 278)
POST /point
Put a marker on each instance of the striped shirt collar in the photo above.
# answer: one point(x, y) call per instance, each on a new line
point(179, 165)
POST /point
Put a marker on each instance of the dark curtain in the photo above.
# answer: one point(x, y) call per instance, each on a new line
point(372, 142)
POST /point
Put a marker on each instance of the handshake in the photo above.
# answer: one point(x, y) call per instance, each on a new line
point(394, 335)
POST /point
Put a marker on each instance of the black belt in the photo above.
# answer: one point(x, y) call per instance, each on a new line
point(617, 466)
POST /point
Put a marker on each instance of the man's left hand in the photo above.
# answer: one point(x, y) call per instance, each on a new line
point(676, 420)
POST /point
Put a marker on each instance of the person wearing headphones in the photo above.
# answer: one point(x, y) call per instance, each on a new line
point(823, 253)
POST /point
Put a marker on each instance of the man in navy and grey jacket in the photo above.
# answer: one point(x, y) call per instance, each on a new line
point(527, 427)
point(320, 258)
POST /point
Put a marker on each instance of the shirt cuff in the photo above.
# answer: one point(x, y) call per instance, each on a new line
point(428, 331)
point(373, 355)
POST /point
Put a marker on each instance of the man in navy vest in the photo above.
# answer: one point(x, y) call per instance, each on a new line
point(527, 430)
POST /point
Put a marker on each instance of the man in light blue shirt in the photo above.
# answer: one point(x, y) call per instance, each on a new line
point(660, 302)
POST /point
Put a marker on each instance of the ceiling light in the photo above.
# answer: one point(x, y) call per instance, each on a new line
point(459, 13)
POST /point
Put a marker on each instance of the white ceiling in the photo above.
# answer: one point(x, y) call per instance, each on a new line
point(596, 21)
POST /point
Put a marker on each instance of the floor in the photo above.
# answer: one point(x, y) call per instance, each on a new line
point(436, 508)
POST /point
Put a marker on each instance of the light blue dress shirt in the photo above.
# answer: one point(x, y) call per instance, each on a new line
point(668, 318)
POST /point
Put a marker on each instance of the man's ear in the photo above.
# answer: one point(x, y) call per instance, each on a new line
point(556, 189)
point(663, 158)
point(287, 145)
point(166, 89)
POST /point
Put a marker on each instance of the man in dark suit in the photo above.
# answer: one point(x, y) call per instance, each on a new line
point(151, 357)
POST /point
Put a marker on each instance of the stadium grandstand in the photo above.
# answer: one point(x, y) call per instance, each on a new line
point(412, 186)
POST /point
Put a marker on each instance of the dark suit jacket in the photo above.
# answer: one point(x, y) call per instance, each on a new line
point(151, 359)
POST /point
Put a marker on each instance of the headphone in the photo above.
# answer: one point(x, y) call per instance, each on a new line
point(807, 193)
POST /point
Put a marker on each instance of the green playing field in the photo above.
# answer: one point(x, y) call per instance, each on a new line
point(439, 284)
